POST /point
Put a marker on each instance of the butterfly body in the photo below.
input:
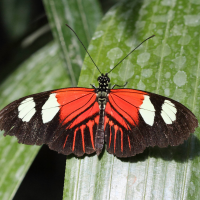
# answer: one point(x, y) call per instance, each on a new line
point(102, 94)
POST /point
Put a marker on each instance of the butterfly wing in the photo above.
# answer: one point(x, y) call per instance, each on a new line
point(137, 119)
point(65, 119)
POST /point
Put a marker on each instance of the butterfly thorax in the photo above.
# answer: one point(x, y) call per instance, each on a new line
point(103, 80)
point(102, 91)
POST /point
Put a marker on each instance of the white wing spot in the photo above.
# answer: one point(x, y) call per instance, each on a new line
point(29, 115)
point(50, 108)
point(168, 112)
point(27, 109)
point(147, 111)
point(166, 118)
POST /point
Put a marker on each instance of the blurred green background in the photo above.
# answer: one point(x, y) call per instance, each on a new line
point(25, 29)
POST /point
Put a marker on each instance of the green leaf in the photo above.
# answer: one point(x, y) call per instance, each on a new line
point(167, 64)
point(43, 71)
point(83, 17)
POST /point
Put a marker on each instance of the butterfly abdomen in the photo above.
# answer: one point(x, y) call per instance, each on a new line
point(99, 138)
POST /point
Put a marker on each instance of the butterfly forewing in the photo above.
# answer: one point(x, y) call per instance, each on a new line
point(65, 119)
point(138, 119)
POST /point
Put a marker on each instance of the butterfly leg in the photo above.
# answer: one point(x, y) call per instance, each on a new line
point(93, 86)
point(119, 85)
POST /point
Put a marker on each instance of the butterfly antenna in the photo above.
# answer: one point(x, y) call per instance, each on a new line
point(84, 47)
point(130, 53)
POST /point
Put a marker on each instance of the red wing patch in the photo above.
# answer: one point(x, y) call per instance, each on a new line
point(78, 119)
point(76, 104)
point(125, 105)
point(122, 114)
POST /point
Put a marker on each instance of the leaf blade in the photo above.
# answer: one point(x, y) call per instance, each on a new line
point(82, 16)
point(156, 173)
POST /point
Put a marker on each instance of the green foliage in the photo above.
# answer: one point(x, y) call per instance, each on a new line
point(167, 64)
point(14, 22)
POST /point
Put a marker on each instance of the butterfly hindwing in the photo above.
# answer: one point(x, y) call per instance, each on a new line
point(120, 141)
point(65, 119)
point(138, 119)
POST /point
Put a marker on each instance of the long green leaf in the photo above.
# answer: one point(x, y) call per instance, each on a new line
point(168, 65)
point(83, 17)
point(43, 71)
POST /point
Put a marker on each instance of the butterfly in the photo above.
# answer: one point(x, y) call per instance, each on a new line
point(80, 120)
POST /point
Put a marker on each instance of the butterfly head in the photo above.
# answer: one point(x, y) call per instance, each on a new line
point(103, 80)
